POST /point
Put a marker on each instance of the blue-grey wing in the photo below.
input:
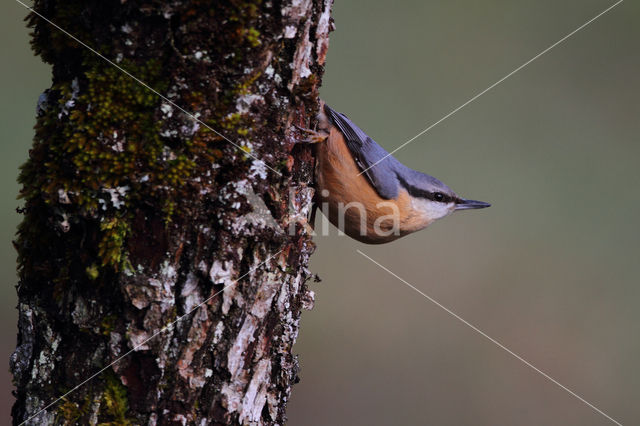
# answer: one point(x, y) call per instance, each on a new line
point(366, 152)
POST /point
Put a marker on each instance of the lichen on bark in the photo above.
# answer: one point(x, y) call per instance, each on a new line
point(135, 213)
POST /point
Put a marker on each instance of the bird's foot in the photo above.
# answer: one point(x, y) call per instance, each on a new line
point(314, 136)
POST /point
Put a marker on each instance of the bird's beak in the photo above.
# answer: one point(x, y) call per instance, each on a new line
point(471, 204)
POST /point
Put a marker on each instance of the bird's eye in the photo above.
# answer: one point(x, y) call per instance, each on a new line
point(438, 196)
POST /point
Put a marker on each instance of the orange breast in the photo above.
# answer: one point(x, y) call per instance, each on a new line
point(352, 204)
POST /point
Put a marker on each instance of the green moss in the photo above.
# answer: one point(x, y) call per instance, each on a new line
point(168, 209)
point(102, 133)
point(102, 136)
point(243, 87)
point(114, 404)
point(253, 37)
point(93, 272)
point(70, 412)
point(231, 121)
point(110, 248)
point(108, 323)
point(235, 122)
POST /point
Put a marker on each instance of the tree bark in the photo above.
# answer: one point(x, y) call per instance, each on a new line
point(147, 232)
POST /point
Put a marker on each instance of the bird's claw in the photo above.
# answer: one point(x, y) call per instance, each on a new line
point(315, 136)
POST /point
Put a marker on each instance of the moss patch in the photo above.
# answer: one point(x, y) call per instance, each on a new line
point(71, 412)
point(107, 154)
point(114, 404)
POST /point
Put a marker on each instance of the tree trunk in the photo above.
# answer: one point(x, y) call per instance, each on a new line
point(151, 244)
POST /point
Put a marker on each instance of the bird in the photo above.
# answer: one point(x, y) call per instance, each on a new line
point(367, 193)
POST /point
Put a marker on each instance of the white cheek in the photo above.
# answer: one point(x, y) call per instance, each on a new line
point(433, 210)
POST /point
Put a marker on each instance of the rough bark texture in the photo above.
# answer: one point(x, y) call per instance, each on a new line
point(135, 213)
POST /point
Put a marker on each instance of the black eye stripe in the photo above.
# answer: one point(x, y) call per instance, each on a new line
point(421, 193)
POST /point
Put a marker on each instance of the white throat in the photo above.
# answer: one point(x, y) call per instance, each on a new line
point(432, 210)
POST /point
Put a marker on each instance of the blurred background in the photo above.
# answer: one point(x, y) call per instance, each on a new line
point(550, 270)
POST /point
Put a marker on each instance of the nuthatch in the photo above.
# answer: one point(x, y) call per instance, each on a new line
point(370, 195)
